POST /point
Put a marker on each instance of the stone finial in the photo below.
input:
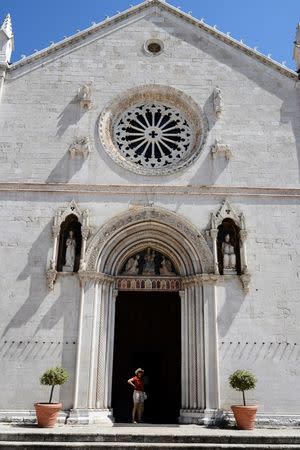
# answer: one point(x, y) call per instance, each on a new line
point(84, 96)
point(7, 26)
point(6, 40)
point(296, 54)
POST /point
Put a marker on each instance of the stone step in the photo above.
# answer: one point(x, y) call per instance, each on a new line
point(11, 445)
point(151, 439)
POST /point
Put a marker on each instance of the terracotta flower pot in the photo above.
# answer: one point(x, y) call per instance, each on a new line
point(244, 416)
point(46, 414)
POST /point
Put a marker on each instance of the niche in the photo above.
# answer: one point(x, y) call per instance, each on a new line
point(69, 248)
point(229, 258)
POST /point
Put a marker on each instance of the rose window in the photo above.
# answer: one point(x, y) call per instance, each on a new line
point(153, 130)
point(153, 135)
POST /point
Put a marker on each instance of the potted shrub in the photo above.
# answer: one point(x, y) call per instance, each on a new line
point(243, 380)
point(46, 413)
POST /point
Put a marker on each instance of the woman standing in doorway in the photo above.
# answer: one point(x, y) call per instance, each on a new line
point(138, 395)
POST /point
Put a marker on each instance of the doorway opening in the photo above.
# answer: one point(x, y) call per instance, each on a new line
point(148, 335)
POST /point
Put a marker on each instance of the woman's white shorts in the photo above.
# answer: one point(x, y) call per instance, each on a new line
point(138, 397)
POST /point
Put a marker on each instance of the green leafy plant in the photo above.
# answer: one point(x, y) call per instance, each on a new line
point(53, 377)
point(242, 380)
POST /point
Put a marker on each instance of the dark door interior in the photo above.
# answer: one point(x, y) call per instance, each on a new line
point(147, 335)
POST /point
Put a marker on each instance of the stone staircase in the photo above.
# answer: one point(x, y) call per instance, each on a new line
point(156, 440)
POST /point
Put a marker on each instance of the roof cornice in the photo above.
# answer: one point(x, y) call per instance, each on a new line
point(219, 35)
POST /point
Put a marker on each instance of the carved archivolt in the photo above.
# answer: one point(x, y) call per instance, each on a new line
point(160, 229)
point(153, 130)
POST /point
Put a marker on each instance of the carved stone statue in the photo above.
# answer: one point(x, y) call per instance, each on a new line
point(132, 266)
point(218, 103)
point(166, 267)
point(149, 267)
point(84, 96)
point(229, 257)
point(70, 253)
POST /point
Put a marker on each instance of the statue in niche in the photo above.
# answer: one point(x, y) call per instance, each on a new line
point(132, 266)
point(70, 253)
point(229, 256)
point(149, 267)
point(166, 267)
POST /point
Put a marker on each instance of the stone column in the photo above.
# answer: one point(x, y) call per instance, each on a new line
point(55, 235)
point(85, 232)
point(192, 354)
point(79, 345)
point(111, 338)
point(199, 325)
point(184, 349)
point(94, 342)
point(212, 388)
point(214, 235)
point(243, 252)
point(105, 351)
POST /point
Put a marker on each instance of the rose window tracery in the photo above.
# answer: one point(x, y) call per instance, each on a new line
point(153, 130)
point(153, 135)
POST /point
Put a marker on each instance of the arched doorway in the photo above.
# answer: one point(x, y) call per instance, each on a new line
point(108, 253)
point(147, 335)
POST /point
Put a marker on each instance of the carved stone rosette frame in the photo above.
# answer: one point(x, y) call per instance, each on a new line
point(60, 217)
point(161, 95)
point(227, 212)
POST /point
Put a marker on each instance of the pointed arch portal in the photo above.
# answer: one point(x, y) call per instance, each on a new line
point(177, 307)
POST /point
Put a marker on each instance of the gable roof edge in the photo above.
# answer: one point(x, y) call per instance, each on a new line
point(173, 10)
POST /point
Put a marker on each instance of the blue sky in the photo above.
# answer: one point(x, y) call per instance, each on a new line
point(268, 24)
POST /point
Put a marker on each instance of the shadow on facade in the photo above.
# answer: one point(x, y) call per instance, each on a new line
point(59, 314)
point(69, 116)
point(65, 169)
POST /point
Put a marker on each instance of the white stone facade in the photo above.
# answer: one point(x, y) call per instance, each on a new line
point(249, 320)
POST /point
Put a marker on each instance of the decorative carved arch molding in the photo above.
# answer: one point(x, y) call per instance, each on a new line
point(228, 216)
point(62, 215)
point(162, 230)
point(170, 236)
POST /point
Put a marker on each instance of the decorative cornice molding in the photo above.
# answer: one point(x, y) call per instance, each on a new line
point(129, 189)
point(171, 9)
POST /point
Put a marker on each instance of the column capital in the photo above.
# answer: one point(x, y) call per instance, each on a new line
point(243, 235)
point(214, 233)
point(55, 231)
point(96, 277)
point(200, 279)
point(85, 232)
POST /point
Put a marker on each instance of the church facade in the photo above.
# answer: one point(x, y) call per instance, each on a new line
point(149, 203)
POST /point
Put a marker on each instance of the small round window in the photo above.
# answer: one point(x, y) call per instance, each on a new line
point(153, 47)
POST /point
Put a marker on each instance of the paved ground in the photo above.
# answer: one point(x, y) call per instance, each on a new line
point(146, 429)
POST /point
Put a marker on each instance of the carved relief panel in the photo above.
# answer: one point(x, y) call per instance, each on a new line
point(148, 262)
